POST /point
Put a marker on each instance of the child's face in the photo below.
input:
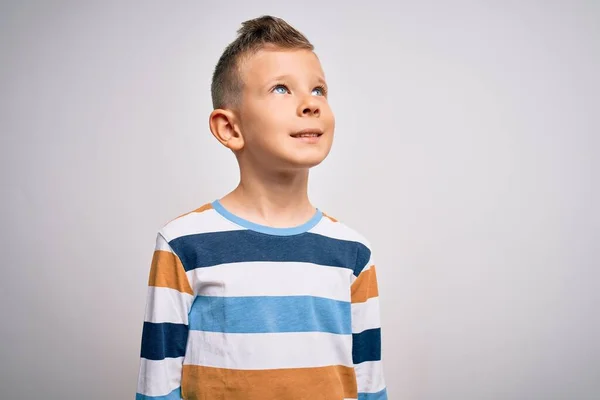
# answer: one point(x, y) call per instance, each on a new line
point(284, 94)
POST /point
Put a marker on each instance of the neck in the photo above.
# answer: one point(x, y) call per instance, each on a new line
point(277, 199)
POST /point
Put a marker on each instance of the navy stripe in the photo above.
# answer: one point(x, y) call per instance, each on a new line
point(363, 255)
point(381, 395)
point(366, 346)
point(209, 249)
point(163, 340)
point(269, 314)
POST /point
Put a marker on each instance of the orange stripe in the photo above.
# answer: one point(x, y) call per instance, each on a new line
point(167, 271)
point(205, 207)
point(365, 286)
point(320, 383)
point(330, 217)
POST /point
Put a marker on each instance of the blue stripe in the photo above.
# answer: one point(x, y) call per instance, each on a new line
point(174, 395)
point(163, 340)
point(269, 314)
point(381, 395)
point(366, 346)
point(209, 249)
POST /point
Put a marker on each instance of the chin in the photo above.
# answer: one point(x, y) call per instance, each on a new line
point(307, 161)
point(294, 159)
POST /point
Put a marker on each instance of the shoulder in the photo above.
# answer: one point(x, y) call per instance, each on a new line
point(337, 229)
point(201, 220)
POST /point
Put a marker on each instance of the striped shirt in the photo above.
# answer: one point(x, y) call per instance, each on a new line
point(241, 311)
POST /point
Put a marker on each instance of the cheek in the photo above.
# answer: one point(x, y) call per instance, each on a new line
point(257, 124)
point(267, 131)
point(269, 116)
point(329, 117)
point(275, 121)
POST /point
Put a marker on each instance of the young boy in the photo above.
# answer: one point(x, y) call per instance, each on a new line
point(260, 295)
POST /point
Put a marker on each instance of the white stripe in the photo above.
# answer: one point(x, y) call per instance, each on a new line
point(162, 245)
point(368, 267)
point(365, 315)
point(167, 305)
point(159, 378)
point(268, 350)
point(272, 279)
point(338, 230)
point(198, 222)
point(369, 377)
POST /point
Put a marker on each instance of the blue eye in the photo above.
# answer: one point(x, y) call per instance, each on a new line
point(280, 89)
point(320, 91)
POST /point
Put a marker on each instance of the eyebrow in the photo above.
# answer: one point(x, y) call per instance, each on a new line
point(320, 80)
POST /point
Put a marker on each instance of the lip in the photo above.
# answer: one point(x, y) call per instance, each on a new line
point(319, 132)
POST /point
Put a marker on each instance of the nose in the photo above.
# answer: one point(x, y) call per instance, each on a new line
point(309, 107)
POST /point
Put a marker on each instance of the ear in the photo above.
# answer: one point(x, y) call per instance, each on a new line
point(225, 129)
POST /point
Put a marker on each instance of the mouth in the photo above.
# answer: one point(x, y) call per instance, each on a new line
point(307, 133)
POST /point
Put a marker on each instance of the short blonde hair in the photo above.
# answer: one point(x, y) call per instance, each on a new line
point(254, 35)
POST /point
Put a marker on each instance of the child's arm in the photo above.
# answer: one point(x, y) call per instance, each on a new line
point(366, 332)
point(165, 331)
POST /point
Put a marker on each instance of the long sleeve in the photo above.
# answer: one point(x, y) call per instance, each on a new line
point(165, 331)
point(366, 335)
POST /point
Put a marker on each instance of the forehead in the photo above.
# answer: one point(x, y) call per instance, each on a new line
point(268, 63)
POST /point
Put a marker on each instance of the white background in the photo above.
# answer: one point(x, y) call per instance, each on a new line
point(466, 151)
